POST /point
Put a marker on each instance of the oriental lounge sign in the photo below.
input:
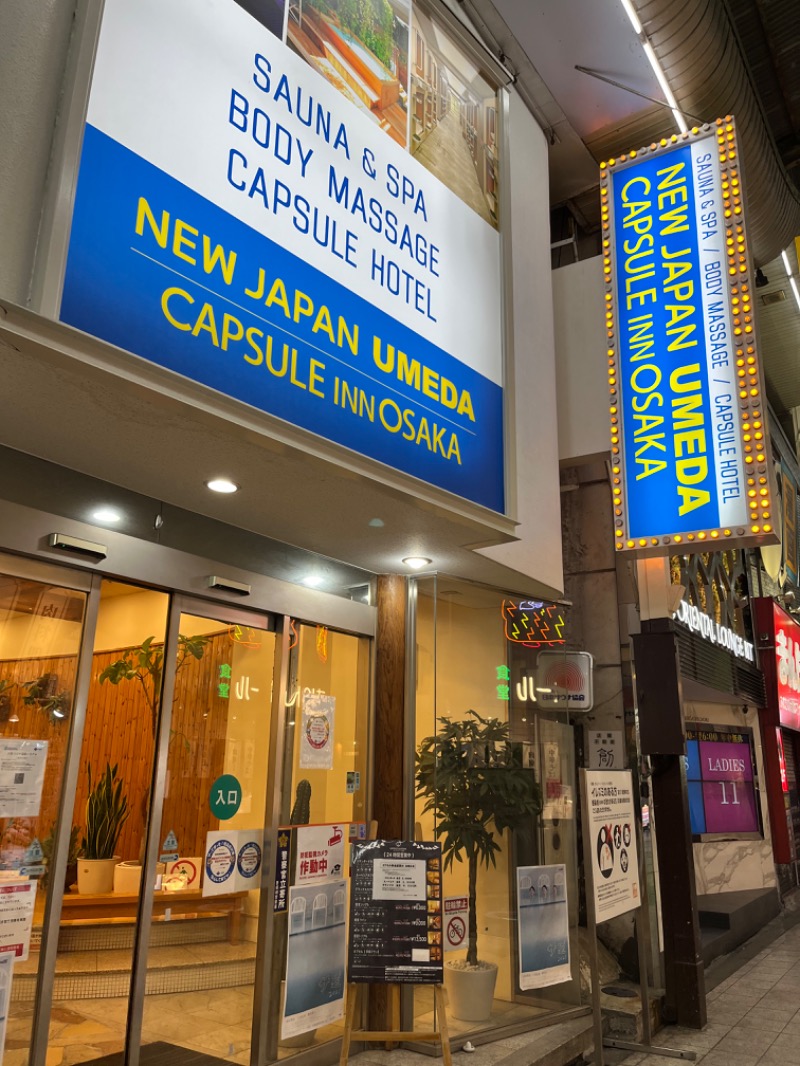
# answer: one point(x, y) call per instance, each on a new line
point(689, 444)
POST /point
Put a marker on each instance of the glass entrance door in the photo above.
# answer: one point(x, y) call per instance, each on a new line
point(41, 626)
point(210, 806)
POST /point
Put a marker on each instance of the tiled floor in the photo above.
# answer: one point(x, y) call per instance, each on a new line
point(753, 1015)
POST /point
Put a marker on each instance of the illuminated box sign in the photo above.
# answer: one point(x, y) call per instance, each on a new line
point(722, 797)
point(787, 655)
point(242, 222)
point(688, 426)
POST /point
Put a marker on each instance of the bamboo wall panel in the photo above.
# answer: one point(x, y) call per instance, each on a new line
point(119, 731)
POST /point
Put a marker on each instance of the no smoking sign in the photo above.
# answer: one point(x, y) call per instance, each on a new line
point(456, 910)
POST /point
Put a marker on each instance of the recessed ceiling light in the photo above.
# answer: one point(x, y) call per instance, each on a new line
point(222, 484)
point(376, 523)
point(312, 580)
point(416, 562)
point(106, 514)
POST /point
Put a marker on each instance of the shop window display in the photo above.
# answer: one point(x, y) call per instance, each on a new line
point(495, 783)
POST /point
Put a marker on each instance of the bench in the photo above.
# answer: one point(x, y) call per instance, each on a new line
point(77, 907)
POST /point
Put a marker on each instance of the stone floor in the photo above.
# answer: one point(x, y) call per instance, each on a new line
point(753, 1012)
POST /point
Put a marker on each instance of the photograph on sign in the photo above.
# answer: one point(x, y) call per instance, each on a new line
point(610, 834)
point(396, 916)
point(542, 926)
point(22, 766)
point(319, 853)
point(315, 962)
point(316, 735)
point(278, 234)
point(686, 400)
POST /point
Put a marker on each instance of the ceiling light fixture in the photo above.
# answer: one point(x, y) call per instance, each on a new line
point(312, 580)
point(786, 266)
point(107, 515)
point(793, 283)
point(661, 77)
point(417, 562)
point(222, 484)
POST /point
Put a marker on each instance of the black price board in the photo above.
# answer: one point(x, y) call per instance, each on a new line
point(396, 912)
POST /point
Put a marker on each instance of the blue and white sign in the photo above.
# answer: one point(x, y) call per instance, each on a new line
point(687, 415)
point(242, 224)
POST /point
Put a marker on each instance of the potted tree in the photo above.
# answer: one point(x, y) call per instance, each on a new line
point(472, 779)
point(106, 813)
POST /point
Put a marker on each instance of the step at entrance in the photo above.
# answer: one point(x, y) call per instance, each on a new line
point(185, 956)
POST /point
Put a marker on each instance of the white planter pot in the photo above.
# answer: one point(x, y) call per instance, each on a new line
point(96, 876)
point(471, 992)
point(128, 877)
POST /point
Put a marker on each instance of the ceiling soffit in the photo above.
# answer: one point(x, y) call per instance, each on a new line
point(702, 58)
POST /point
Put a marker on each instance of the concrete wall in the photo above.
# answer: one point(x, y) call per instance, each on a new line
point(34, 37)
point(533, 483)
point(581, 383)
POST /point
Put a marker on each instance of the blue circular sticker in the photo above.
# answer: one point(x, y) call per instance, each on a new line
point(249, 860)
point(220, 861)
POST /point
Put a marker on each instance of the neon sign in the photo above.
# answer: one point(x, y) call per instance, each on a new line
point(533, 623)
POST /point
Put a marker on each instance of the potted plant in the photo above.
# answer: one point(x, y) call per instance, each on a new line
point(106, 814)
point(71, 873)
point(472, 779)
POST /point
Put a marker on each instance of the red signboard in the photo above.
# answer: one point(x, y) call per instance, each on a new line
point(782, 760)
point(787, 661)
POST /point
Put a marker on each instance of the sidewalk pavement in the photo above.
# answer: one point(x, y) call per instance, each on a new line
point(754, 1010)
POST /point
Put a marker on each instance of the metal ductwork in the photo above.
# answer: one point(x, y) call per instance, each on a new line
point(700, 52)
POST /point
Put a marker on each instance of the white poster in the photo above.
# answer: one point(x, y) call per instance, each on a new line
point(232, 861)
point(456, 919)
point(606, 749)
point(320, 853)
point(610, 836)
point(6, 975)
point(22, 766)
point(398, 879)
point(543, 926)
point(219, 863)
point(315, 962)
point(316, 738)
point(17, 899)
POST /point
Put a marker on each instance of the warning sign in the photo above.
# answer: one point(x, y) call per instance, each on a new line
point(456, 916)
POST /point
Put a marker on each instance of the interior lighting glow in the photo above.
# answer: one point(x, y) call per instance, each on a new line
point(312, 580)
point(222, 484)
point(793, 283)
point(107, 515)
point(417, 562)
point(662, 81)
point(786, 266)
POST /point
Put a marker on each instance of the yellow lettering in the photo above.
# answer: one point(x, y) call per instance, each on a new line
point(166, 296)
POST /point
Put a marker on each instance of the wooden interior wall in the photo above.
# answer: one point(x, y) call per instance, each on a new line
point(119, 731)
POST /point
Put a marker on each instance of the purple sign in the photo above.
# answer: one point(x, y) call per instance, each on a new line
point(726, 770)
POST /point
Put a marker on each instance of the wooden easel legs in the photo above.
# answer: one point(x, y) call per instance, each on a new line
point(394, 1035)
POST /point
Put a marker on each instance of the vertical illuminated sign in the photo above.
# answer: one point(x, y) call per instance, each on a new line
point(689, 442)
point(787, 655)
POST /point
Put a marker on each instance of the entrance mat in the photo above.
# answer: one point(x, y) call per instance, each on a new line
point(161, 1054)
